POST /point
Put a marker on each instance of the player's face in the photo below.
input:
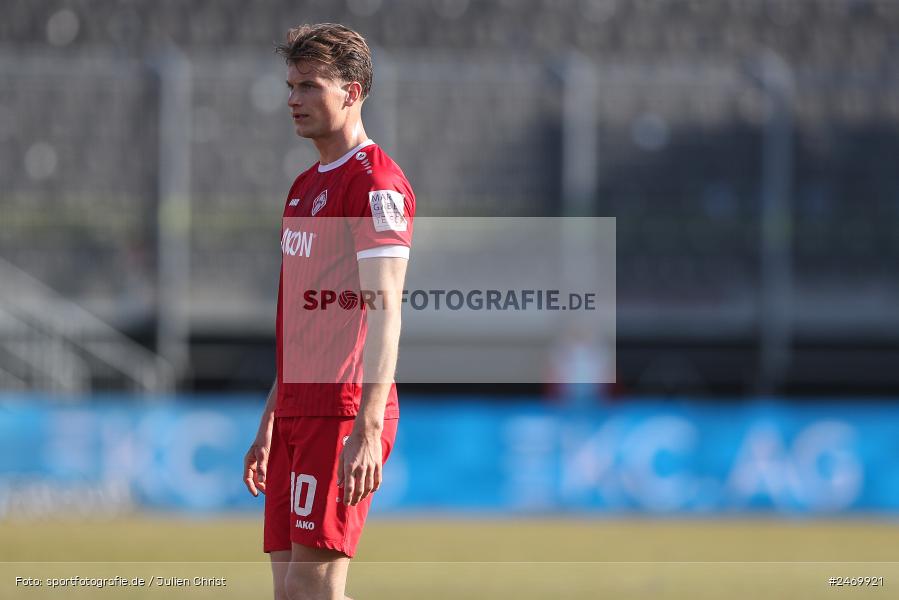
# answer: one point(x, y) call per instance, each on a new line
point(317, 102)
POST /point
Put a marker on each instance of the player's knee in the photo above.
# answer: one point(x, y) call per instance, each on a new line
point(297, 591)
point(281, 589)
point(302, 583)
point(281, 592)
point(294, 588)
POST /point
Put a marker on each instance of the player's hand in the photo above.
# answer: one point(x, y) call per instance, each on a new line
point(255, 463)
point(359, 466)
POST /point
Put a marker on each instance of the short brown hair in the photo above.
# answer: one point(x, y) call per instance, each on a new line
point(341, 50)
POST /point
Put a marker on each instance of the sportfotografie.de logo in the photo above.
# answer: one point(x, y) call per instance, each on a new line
point(477, 299)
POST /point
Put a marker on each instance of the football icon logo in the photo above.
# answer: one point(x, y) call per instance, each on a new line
point(348, 300)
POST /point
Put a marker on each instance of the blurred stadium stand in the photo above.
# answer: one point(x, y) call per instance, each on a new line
point(746, 147)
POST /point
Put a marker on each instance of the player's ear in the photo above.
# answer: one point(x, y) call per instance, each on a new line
point(354, 93)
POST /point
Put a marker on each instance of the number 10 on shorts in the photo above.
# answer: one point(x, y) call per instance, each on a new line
point(300, 502)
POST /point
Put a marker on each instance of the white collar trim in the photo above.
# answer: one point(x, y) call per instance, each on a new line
point(333, 165)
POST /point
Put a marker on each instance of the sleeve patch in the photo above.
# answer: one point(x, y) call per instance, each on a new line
point(387, 208)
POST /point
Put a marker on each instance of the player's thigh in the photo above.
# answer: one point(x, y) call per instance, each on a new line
point(277, 523)
point(280, 564)
point(319, 518)
point(316, 573)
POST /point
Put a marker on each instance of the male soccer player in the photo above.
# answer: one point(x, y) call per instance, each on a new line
point(347, 229)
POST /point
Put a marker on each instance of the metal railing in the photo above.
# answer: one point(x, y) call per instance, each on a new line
point(692, 156)
point(63, 348)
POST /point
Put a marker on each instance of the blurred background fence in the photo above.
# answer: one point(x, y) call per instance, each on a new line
point(747, 149)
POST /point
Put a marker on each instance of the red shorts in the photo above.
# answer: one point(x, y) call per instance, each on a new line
point(302, 498)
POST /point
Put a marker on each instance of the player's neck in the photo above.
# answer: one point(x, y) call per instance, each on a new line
point(338, 144)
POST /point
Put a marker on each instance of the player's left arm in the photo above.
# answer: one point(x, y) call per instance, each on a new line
point(359, 468)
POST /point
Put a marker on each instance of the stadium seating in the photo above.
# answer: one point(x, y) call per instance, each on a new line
point(472, 109)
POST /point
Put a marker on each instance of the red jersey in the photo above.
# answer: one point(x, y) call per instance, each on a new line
point(359, 206)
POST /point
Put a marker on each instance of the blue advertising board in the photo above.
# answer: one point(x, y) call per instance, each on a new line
point(466, 456)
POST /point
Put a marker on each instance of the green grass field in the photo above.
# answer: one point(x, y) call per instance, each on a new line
point(481, 558)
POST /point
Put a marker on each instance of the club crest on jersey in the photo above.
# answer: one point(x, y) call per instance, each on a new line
point(319, 202)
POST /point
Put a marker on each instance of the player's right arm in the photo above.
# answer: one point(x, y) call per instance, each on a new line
point(255, 461)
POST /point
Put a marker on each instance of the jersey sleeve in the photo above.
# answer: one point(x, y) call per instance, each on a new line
point(380, 210)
